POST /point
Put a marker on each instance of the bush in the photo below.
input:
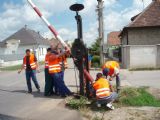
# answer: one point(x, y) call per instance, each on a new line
point(77, 103)
point(137, 97)
point(96, 61)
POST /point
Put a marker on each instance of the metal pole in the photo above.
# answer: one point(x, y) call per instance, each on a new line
point(101, 29)
point(51, 28)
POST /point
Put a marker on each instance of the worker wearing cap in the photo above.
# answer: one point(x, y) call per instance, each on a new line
point(30, 65)
point(104, 92)
point(54, 70)
point(48, 81)
point(111, 69)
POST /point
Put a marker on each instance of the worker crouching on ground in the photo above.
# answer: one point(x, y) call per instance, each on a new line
point(111, 69)
point(30, 65)
point(54, 70)
point(104, 92)
point(48, 89)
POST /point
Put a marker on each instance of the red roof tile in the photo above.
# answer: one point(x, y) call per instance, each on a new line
point(150, 16)
point(113, 38)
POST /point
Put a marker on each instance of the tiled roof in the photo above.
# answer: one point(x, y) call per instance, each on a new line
point(149, 17)
point(27, 37)
point(113, 39)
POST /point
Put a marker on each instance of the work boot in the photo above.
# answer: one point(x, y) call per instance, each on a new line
point(110, 106)
point(29, 91)
point(38, 90)
point(98, 105)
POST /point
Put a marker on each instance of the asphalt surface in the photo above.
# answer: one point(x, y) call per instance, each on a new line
point(17, 104)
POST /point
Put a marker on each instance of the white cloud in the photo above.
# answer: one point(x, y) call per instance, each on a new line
point(65, 33)
point(15, 16)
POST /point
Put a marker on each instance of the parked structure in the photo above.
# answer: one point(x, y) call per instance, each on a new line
point(12, 49)
point(141, 39)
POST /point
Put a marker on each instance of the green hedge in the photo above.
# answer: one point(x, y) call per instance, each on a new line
point(96, 61)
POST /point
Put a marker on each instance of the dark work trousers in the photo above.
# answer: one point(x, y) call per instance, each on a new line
point(118, 83)
point(60, 85)
point(48, 89)
point(31, 74)
point(62, 75)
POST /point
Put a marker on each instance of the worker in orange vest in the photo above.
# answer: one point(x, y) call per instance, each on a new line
point(48, 90)
point(111, 69)
point(104, 92)
point(54, 70)
point(30, 65)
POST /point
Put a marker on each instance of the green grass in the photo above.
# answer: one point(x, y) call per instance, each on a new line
point(143, 69)
point(137, 97)
point(128, 96)
point(11, 68)
point(16, 67)
point(77, 103)
point(41, 62)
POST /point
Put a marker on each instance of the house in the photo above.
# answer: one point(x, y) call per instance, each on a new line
point(113, 44)
point(12, 49)
point(141, 39)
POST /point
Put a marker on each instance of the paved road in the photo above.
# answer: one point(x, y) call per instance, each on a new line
point(16, 104)
point(141, 78)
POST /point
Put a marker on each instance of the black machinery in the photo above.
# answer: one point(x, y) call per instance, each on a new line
point(80, 52)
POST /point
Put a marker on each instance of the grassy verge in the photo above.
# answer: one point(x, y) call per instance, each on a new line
point(137, 97)
point(11, 68)
point(144, 69)
point(16, 67)
point(128, 96)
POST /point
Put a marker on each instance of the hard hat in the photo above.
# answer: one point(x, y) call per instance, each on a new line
point(105, 71)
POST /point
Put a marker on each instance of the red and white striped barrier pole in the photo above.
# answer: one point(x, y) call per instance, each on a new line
point(52, 29)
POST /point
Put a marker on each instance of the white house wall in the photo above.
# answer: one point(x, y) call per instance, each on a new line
point(140, 56)
point(6, 59)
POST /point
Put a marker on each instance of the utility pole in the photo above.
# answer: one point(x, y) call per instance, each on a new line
point(101, 29)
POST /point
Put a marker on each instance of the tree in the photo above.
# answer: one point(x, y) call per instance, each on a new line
point(95, 47)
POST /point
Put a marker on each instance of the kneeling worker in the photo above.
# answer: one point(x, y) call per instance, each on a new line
point(104, 92)
point(111, 69)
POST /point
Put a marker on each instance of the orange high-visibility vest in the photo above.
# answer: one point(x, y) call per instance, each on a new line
point(63, 60)
point(102, 88)
point(46, 61)
point(31, 61)
point(54, 66)
point(111, 66)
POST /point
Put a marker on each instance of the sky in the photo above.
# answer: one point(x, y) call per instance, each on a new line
point(15, 14)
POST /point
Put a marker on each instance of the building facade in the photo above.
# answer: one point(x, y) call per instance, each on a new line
point(12, 49)
point(141, 39)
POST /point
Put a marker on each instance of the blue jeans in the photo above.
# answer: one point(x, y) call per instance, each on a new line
point(62, 75)
point(109, 99)
point(29, 75)
point(60, 85)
